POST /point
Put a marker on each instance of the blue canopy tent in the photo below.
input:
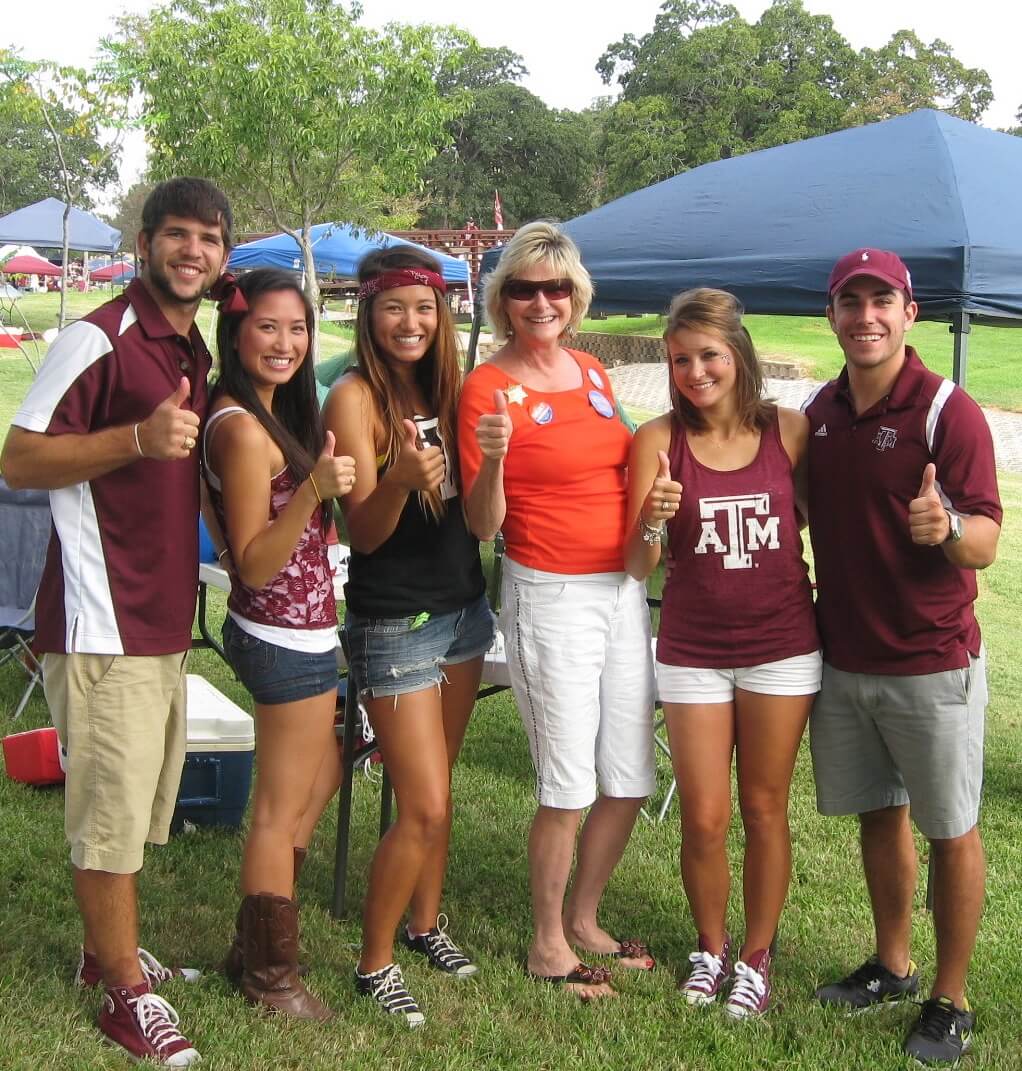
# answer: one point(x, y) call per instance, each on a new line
point(768, 226)
point(337, 249)
point(42, 224)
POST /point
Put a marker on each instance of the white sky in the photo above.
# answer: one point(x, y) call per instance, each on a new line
point(561, 40)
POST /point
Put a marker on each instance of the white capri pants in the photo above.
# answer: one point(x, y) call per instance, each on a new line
point(581, 667)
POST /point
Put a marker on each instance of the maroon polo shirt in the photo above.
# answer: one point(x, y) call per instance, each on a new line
point(884, 604)
point(122, 565)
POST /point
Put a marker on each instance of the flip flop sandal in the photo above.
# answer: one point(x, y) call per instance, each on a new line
point(632, 948)
point(581, 974)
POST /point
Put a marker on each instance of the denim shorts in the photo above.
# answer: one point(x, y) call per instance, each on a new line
point(396, 655)
point(275, 674)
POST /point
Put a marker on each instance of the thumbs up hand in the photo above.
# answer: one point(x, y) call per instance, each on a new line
point(928, 521)
point(170, 431)
point(415, 469)
point(664, 496)
point(493, 432)
point(334, 477)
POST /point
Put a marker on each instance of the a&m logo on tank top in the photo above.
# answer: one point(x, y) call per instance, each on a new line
point(750, 527)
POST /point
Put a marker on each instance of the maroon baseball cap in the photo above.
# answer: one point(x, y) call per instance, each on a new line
point(878, 263)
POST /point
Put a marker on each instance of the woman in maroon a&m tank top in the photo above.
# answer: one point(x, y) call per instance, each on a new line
point(738, 660)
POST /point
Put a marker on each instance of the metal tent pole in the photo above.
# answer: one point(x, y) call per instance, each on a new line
point(960, 328)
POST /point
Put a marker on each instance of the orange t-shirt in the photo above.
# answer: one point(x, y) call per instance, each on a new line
point(564, 475)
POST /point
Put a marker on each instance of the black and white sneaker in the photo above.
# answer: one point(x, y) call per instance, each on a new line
point(942, 1033)
point(387, 987)
point(869, 986)
point(440, 950)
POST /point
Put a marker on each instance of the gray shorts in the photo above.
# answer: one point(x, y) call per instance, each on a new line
point(884, 741)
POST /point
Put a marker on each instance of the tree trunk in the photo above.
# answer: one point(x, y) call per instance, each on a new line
point(63, 272)
point(311, 282)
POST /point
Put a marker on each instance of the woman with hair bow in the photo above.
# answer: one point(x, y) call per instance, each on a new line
point(272, 476)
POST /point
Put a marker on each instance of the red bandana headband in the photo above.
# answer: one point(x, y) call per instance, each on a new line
point(389, 280)
point(229, 298)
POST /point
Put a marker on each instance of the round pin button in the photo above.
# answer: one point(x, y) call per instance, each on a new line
point(542, 413)
point(595, 378)
point(601, 403)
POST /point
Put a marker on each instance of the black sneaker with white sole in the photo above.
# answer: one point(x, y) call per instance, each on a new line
point(440, 950)
point(942, 1033)
point(387, 987)
point(870, 985)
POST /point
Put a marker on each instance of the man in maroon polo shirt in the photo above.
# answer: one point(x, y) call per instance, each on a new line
point(903, 508)
point(109, 428)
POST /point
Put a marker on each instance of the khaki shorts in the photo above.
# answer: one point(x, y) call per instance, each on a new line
point(122, 722)
point(884, 741)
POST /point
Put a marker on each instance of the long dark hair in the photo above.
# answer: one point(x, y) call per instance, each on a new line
point(296, 424)
point(438, 374)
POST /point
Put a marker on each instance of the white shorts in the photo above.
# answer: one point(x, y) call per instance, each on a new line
point(800, 675)
point(581, 667)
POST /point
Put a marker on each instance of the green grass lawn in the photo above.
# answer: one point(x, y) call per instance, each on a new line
point(500, 1019)
point(994, 371)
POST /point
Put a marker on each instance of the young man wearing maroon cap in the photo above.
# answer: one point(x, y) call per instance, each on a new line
point(903, 509)
point(109, 427)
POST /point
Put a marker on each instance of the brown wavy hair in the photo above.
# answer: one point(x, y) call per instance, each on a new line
point(716, 312)
point(438, 374)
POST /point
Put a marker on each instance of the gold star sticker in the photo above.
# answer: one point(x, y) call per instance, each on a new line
point(515, 395)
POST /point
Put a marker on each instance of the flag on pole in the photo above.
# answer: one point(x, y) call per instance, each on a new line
point(498, 215)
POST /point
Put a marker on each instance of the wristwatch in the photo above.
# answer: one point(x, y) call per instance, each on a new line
point(954, 532)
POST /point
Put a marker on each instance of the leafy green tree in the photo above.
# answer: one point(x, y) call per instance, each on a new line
point(907, 74)
point(300, 113)
point(540, 160)
point(72, 108)
point(29, 168)
point(705, 85)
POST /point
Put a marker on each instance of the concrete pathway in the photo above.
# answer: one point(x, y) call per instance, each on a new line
point(644, 386)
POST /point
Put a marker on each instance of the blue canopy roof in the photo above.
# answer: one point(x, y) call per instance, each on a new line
point(42, 224)
point(768, 226)
point(337, 249)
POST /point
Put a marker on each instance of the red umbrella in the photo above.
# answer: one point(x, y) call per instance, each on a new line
point(29, 265)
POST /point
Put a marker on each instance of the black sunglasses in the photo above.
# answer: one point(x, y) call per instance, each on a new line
point(526, 289)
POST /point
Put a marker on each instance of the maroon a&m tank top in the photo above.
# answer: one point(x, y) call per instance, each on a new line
point(739, 592)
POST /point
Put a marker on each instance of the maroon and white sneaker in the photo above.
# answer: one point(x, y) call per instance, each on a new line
point(88, 973)
point(707, 974)
point(750, 991)
point(145, 1026)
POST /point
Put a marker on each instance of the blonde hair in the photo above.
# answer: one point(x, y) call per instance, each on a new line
point(716, 312)
point(541, 242)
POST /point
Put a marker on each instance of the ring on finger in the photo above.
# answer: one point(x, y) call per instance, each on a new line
point(189, 442)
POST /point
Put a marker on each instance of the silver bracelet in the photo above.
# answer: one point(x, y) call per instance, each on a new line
point(650, 534)
point(138, 445)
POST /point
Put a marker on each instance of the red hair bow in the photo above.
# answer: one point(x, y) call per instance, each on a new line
point(229, 298)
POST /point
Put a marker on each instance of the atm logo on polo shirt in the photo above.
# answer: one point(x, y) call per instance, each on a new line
point(885, 438)
point(749, 527)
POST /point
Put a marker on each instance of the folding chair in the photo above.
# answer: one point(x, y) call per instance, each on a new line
point(24, 535)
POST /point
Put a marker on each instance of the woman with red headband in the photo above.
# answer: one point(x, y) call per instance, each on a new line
point(272, 474)
point(418, 623)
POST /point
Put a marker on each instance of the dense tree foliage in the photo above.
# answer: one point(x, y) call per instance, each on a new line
point(704, 85)
point(300, 113)
point(30, 169)
point(508, 140)
point(71, 120)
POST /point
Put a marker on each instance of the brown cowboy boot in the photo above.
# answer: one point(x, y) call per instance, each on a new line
point(269, 936)
point(231, 966)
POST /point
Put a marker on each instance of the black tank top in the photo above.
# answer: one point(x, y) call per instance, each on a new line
point(428, 564)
